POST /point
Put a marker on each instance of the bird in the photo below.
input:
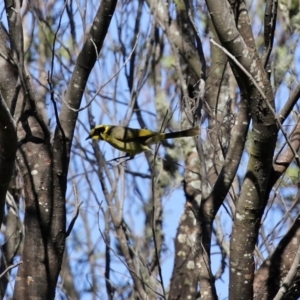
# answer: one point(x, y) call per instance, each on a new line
point(133, 141)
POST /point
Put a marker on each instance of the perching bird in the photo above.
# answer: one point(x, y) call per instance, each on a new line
point(133, 141)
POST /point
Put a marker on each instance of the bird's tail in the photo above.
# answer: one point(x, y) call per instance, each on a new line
point(184, 133)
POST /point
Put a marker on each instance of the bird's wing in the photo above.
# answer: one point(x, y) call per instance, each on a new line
point(126, 134)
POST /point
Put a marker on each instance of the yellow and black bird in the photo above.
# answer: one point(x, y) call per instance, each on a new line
point(133, 141)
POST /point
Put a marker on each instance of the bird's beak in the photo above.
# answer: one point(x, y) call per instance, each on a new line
point(89, 137)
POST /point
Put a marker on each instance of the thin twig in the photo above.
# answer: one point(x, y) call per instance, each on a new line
point(198, 40)
point(154, 220)
point(9, 268)
point(270, 25)
point(50, 77)
point(76, 212)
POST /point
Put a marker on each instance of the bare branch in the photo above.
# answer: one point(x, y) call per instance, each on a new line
point(9, 268)
point(276, 118)
point(269, 29)
point(75, 214)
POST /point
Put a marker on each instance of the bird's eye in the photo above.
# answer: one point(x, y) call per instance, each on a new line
point(99, 130)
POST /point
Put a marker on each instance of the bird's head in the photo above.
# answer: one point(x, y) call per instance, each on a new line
point(96, 132)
